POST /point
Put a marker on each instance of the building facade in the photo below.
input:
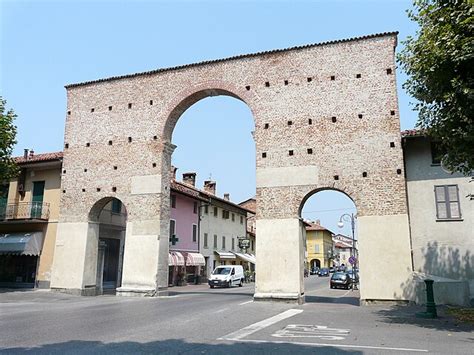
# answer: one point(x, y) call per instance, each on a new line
point(343, 250)
point(319, 246)
point(441, 206)
point(29, 212)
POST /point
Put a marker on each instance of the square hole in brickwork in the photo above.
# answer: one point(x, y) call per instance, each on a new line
point(66, 146)
point(290, 123)
point(115, 167)
point(153, 165)
point(110, 108)
point(110, 142)
point(83, 190)
point(336, 177)
point(286, 82)
point(64, 191)
point(333, 77)
point(114, 189)
point(64, 171)
point(69, 113)
point(310, 121)
point(248, 87)
point(129, 105)
point(129, 139)
point(392, 144)
point(310, 151)
point(151, 102)
point(334, 119)
point(92, 109)
point(88, 144)
point(85, 170)
point(267, 84)
point(98, 189)
point(264, 155)
point(360, 115)
point(392, 113)
point(155, 138)
point(399, 171)
point(309, 79)
point(266, 126)
point(389, 71)
point(290, 152)
point(358, 76)
point(364, 174)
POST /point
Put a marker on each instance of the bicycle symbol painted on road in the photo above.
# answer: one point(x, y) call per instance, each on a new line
point(311, 331)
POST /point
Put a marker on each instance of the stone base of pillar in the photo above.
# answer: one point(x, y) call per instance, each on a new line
point(88, 291)
point(134, 292)
point(280, 297)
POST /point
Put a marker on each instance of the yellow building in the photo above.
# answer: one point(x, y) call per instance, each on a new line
point(29, 212)
point(319, 246)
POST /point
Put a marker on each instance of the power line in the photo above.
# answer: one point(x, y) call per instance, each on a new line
point(334, 210)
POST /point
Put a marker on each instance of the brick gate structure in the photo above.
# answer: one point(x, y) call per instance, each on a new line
point(326, 117)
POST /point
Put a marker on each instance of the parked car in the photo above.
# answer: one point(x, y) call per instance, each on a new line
point(314, 271)
point(340, 279)
point(323, 272)
point(354, 276)
point(227, 276)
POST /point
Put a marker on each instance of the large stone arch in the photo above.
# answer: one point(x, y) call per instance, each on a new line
point(326, 115)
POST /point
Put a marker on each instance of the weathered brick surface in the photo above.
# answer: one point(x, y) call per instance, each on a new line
point(347, 147)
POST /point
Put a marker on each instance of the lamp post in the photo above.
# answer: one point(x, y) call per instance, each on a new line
point(350, 218)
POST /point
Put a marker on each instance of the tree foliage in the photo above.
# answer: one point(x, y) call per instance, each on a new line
point(8, 168)
point(439, 62)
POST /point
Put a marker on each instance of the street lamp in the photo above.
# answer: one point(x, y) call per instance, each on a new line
point(350, 218)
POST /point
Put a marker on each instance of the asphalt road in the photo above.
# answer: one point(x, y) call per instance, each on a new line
point(198, 320)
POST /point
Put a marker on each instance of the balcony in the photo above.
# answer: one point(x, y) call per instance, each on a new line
point(28, 211)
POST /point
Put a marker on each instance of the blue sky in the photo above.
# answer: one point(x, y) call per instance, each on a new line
point(48, 44)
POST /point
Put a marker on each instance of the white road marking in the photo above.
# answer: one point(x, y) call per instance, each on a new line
point(247, 302)
point(222, 310)
point(331, 345)
point(311, 331)
point(242, 333)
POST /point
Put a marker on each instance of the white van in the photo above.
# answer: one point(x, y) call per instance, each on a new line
point(227, 276)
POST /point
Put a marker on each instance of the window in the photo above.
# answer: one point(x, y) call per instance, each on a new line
point(225, 214)
point(223, 242)
point(252, 245)
point(436, 153)
point(215, 241)
point(233, 243)
point(173, 201)
point(316, 248)
point(205, 240)
point(206, 209)
point(233, 217)
point(447, 202)
point(241, 219)
point(173, 238)
point(215, 211)
point(116, 206)
point(195, 207)
point(195, 228)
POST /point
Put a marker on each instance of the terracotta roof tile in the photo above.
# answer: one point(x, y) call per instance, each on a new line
point(352, 39)
point(413, 133)
point(36, 158)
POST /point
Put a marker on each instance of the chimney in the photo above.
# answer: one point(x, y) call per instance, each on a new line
point(210, 187)
point(173, 172)
point(32, 153)
point(189, 178)
point(227, 197)
point(25, 153)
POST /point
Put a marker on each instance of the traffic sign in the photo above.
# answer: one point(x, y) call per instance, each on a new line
point(352, 260)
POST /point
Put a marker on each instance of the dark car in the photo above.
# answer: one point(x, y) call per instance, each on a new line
point(354, 276)
point(323, 272)
point(341, 280)
point(314, 271)
point(332, 269)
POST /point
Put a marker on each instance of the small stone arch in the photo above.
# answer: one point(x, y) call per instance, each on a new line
point(343, 190)
point(192, 94)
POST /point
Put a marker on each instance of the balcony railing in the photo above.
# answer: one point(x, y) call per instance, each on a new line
point(24, 210)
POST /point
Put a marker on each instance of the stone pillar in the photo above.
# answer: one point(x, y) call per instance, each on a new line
point(279, 274)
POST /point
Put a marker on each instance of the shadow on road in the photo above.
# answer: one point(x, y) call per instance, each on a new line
point(176, 346)
point(353, 301)
point(407, 315)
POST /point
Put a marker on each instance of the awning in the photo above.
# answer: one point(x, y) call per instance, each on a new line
point(225, 255)
point(175, 259)
point(195, 259)
point(21, 243)
point(247, 257)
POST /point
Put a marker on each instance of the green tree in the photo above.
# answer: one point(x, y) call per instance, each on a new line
point(439, 62)
point(8, 168)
